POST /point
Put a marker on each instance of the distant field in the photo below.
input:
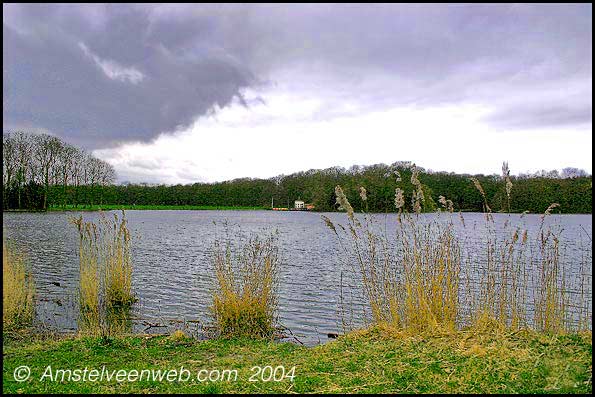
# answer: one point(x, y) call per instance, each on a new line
point(107, 207)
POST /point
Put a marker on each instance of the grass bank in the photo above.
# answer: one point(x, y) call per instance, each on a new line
point(109, 207)
point(377, 360)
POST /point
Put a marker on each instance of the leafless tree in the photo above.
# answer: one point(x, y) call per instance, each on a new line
point(45, 160)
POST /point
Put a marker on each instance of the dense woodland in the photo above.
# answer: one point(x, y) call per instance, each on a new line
point(40, 171)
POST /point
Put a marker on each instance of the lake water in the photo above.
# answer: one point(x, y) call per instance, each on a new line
point(173, 270)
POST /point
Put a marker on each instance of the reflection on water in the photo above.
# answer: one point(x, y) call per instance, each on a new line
point(173, 270)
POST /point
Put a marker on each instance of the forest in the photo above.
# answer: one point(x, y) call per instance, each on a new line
point(41, 172)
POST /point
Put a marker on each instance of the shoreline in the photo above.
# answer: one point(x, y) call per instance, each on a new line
point(228, 208)
point(145, 208)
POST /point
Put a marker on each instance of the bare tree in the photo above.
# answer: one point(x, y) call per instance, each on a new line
point(46, 151)
point(45, 160)
point(571, 172)
point(66, 161)
point(24, 166)
point(9, 165)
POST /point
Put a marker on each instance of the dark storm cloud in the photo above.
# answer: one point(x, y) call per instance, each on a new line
point(171, 63)
point(53, 76)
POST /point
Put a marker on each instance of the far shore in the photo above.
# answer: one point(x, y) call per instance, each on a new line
point(111, 207)
point(127, 207)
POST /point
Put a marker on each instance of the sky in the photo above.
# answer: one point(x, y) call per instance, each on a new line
point(184, 93)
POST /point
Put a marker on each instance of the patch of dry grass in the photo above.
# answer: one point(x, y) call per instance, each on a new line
point(245, 293)
point(419, 278)
point(105, 283)
point(18, 291)
point(411, 279)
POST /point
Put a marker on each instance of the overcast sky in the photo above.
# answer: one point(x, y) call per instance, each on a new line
point(188, 93)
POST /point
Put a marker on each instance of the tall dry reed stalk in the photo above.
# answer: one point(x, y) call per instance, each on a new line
point(89, 276)
point(118, 263)
point(419, 279)
point(520, 269)
point(550, 297)
point(18, 291)
point(431, 258)
point(105, 283)
point(410, 280)
point(245, 293)
point(500, 277)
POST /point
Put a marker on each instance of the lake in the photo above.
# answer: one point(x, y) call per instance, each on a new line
point(173, 270)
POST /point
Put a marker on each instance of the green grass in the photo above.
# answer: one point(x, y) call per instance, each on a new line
point(108, 207)
point(378, 360)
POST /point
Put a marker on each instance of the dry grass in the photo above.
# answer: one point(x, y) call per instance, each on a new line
point(18, 291)
point(524, 283)
point(431, 259)
point(105, 284)
point(118, 263)
point(551, 298)
point(419, 279)
point(410, 281)
point(245, 294)
point(89, 276)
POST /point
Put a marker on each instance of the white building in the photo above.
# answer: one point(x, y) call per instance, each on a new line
point(298, 205)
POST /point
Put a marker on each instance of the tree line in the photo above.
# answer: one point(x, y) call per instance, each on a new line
point(36, 166)
point(41, 172)
point(534, 193)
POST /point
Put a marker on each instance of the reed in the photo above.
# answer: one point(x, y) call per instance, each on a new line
point(431, 259)
point(497, 282)
point(521, 268)
point(105, 274)
point(118, 262)
point(410, 280)
point(89, 277)
point(245, 292)
point(421, 278)
point(550, 297)
point(18, 291)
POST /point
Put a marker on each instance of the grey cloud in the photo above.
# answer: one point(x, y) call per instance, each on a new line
point(542, 116)
point(195, 56)
point(50, 81)
point(147, 164)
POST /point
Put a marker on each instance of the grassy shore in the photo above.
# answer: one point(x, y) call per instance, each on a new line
point(108, 207)
point(377, 360)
